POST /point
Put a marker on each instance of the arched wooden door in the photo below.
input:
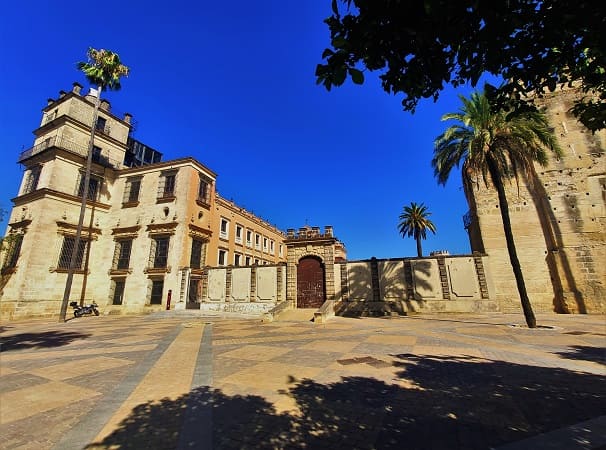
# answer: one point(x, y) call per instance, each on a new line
point(311, 291)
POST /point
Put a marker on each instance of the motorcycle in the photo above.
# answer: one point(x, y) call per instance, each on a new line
point(79, 311)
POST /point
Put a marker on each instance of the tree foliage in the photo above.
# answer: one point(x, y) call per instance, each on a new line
point(497, 146)
point(419, 46)
point(415, 222)
point(103, 69)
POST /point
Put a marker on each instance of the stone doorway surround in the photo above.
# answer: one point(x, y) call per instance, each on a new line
point(310, 242)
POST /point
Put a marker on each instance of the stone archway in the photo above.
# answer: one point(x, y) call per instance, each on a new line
point(311, 282)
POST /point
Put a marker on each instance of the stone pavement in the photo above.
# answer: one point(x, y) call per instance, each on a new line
point(177, 381)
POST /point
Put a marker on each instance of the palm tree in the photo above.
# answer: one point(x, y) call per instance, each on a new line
point(497, 146)
point(414, 221)
point(103, 70)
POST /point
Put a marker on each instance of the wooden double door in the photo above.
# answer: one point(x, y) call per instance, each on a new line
point(311, 287)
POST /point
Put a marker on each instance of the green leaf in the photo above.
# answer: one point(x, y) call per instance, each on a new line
point(339, 76)
point(339, 42)
point(356, 76)
point(326, 53)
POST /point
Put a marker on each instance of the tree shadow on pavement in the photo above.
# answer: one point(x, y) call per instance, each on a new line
point(433, 403)
point(585, 353)
point(45, 339)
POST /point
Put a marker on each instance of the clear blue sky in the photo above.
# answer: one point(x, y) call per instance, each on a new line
point(232, 84)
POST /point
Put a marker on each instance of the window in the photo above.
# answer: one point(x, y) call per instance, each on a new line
point(247, 261)
point(96, 154)
point(222, 257)
point(159, 252)
point(204, 190)
point(239, 231)
point(224, 229)
point(166, 185)
point(33, 177)
point(157, 287)
point(281, 250)
point(198, 250)
point(122, 254)
point(12, 244)
point(131, 190)
point(271, 247)
point(248, 238)
point(264, 244)
point(66, 253)
point(94, 185)
point(118, 294)
point(257, 242)
point(256, 262)
point(237, 259)
point(101, 124)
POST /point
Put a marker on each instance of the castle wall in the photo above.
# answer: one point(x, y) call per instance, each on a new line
point(559, 223)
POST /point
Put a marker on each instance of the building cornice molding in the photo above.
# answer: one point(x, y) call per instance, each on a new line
point(126, 232)
point(70, 228)
point(162, 228)
point(173, 164)
point(196, 231)
point(47, 192)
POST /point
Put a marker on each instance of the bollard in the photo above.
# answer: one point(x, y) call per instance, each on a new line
point(170, 294)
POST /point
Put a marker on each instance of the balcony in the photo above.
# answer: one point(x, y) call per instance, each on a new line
point(70, 146)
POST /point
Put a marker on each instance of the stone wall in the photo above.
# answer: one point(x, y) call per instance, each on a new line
point(558, 221)
point(248, 290)
point(442, 283)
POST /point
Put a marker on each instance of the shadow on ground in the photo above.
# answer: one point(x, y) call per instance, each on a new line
point(586, 353)
point(47, 339)
point(434, 403)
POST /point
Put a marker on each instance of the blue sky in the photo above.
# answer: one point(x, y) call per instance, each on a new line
point(232, 84)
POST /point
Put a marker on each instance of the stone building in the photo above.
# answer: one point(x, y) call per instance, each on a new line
point(558, 220)
point(157, 230)
point(151, 226)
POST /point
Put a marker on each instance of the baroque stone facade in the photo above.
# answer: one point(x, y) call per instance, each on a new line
point(559, 222)
point(150, 229)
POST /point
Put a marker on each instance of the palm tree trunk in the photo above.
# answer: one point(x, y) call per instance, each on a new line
point(73, 257)
point(419, 249)
point(531, 321)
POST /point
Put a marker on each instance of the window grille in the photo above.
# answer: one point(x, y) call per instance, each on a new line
point(32, 180)
point(131, 190)
point(94, 187)
point(159, 252)
point(198, 250)
point(118, 295)
point(156, 292)
point(204, 190)
point(66, 252)
point(166, 185)
point(122, 254)
point(13, 248)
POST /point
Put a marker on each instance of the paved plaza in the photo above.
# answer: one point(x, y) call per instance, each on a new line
point(177, 381)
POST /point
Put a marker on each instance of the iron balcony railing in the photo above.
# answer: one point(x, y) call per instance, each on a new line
point(70, 146)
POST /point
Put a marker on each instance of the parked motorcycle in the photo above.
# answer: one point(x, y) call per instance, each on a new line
point(79, 311)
